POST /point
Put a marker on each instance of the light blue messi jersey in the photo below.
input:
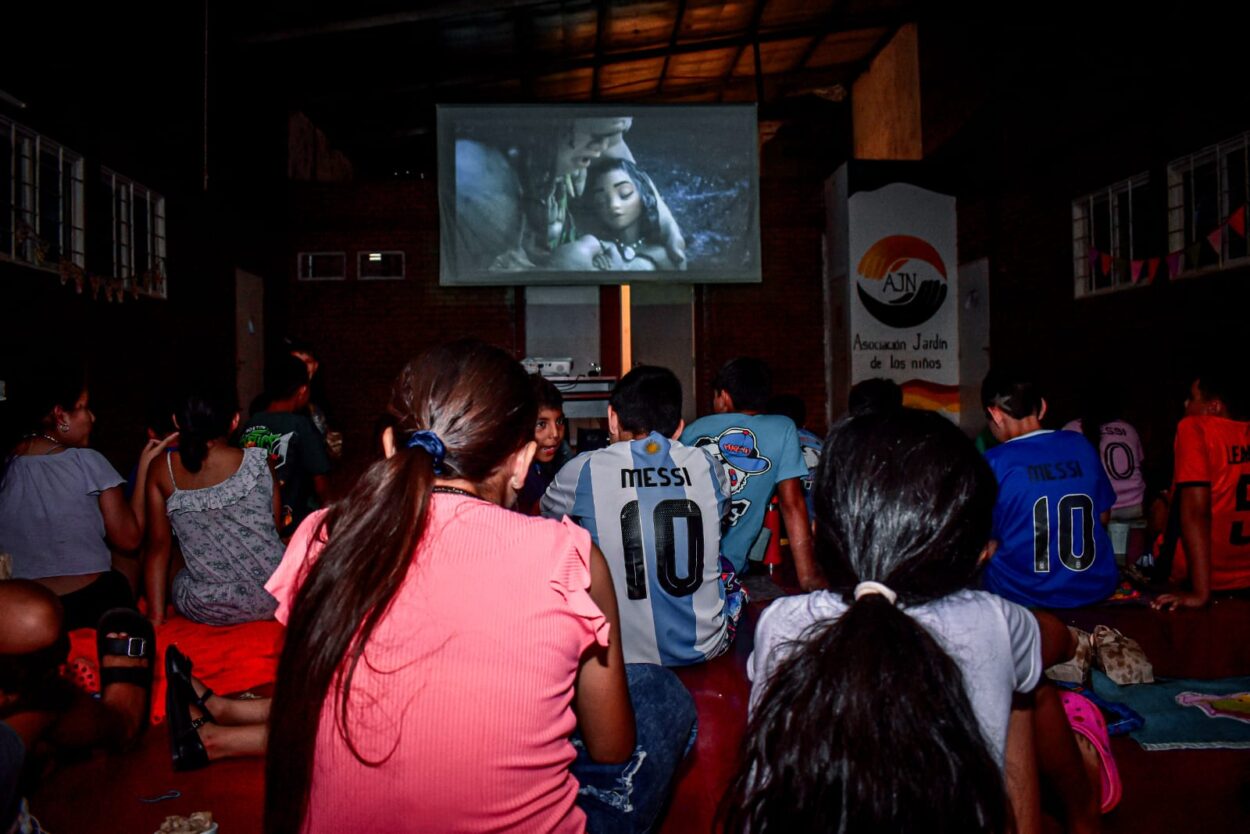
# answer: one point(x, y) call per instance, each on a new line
point(757, 451)
point(654, 507)
point(1053, 550)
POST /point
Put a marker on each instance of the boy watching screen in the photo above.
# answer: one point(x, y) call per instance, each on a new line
point(654, 507)
point(297, 451)
point(1211, 492)
point(759, 452)
point(1054, 500)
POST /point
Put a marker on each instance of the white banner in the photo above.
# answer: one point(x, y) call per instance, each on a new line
point(903, 287)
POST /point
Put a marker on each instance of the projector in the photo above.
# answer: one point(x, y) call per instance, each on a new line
point(562, 366)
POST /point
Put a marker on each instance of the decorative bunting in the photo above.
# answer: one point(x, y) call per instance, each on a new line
point(1237, 221)
point(1105, 263)
point(1135, 270)
point(1174, 263)
point(1216, 239)
point(1152, 269)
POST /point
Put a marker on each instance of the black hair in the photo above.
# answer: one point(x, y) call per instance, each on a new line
point(204, 413)
point(789, 405)
point(866, 725)
point(877, 395)
point(546, 394)
point(747, 380)
point(1217, 381)
point(1014, 390)
point(648, 399)
point(643, 185)
point(285, 375)
point(477, 399)
point(31, 397)
point(159, 413)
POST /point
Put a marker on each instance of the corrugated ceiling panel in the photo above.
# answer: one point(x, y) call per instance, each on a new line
point(781, 13)
point(775, 56)
point(638, 26)
point(630, 78)
point(481, 34)
point(698, 67)
point(571, 85)
point(715, 19)
point(569, 32)
point(846, 47)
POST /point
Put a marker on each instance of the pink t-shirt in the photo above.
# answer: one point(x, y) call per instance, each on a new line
point(1121, 454)
point(464, 691)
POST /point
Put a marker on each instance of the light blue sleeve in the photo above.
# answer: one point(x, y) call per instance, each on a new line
point(557, 501)
point(790, 461)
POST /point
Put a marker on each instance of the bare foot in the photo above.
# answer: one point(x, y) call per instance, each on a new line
point(128, 701)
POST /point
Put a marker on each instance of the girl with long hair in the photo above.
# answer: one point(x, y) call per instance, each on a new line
point(440, 650)
point(883, 704)
point(223, 504)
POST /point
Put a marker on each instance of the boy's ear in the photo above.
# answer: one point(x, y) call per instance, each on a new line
point(995, 414)
point(1042, 411)
point(681, 426)
point(614, 424)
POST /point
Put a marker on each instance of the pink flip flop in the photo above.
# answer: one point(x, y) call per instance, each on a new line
point(1084, 718)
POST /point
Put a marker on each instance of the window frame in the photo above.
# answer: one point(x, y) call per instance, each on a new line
point(1083, 211)
point(1180, 203)
point(299, 266)
point(25, 186)
point(148, 279)
point(363, 255)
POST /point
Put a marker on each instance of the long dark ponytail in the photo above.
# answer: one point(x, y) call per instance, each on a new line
point(866, 725)
point(477, 399)
point(203, 413)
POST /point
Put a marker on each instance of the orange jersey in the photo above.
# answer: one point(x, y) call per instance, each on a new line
point(1215, 452)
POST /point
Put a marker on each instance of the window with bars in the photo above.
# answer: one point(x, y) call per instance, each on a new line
point(41, 199)
point(1110, 229)
point(1204, 190)
point(135, 218)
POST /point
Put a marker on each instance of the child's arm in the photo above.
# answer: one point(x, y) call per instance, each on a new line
point(605, 715)
point(156, 552)
point(1196, 536)
point(799, 529)
point(1058, 644)
point(138, 499)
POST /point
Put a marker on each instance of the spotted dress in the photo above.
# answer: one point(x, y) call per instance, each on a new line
point(229, 542)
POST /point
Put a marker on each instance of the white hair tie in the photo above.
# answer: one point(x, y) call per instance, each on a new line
point(870, 587)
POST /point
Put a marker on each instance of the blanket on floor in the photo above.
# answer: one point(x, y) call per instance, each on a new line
point(1186, 714)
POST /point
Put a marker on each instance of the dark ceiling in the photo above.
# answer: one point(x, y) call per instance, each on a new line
point(370, 79)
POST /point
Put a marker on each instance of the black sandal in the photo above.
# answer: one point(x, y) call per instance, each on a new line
point(139, 642)
point(185, 745)
point(178, 667)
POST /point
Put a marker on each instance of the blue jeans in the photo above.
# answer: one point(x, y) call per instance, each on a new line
point(629, 797)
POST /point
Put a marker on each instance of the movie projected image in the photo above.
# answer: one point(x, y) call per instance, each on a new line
point(588, 194)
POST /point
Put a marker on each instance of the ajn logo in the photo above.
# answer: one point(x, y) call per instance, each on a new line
point(902, 281)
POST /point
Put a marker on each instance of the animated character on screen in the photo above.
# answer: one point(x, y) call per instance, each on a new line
point(514, 192)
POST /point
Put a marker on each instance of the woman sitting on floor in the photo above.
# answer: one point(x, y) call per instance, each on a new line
point(61, 503)
point(222, 502)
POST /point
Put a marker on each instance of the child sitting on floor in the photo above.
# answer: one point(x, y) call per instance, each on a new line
point(884, 704)
point(222, 502)
point(1054, 501)
point(549, 430)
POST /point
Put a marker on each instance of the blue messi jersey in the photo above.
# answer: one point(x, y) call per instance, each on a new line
point(757, 451)
point(1053, 551)
point(654, 507)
